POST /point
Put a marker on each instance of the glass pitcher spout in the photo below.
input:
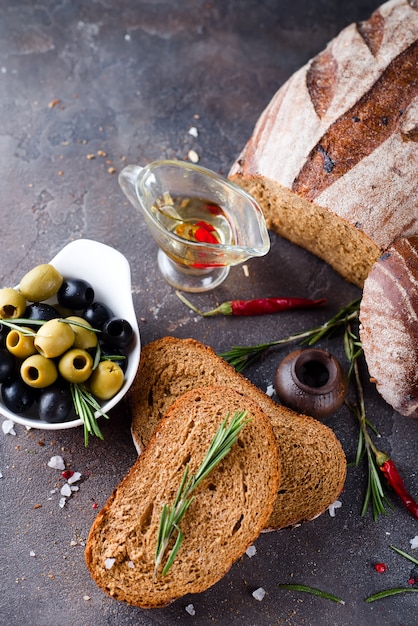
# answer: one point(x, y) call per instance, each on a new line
point(127, 180)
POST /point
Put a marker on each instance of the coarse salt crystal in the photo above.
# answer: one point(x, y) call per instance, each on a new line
point(190, 609)
point(131, 565)
point(7, 427)
point(414, 542)
point(259, 594)
point(193, 131)
point(74, 478)
point(109, 563)
point(86, 598)
point(193, 156)
point(251, 551)
point(56, 462)
point(335, 505)
point(62, 502)
point(31, 553)
point(1, 475)
point(270, 390)
point(66, 490)
point(74, 488)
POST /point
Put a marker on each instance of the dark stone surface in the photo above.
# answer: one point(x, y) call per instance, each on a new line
point(131, 79)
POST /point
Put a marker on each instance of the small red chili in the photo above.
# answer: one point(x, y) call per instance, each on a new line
point(262, 306)
point(204, 233)
point(395, 481)
point(381, 568)
point(95, 505)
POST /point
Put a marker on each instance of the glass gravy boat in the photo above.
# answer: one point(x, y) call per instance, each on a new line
point(202, 223)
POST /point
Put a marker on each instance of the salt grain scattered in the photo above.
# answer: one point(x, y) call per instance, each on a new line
point(335, 505)
point(62, 502)
point(270, 390)
point(1, 475)
point(193, 156)
point(193, 131)
point(66, 490)
point(414, 542)
point(109, 563)
point(259, 594)
point(190, 609)
point(251, 551)
point(31, 553)
point(86, 598)
point(131, 565)
point(56, 462)
point(7, 427)
point(246, 270)
point(74, 478)
point(74, 487)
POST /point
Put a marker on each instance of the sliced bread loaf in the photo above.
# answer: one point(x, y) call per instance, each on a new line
point(313, 464)
point(230, 507)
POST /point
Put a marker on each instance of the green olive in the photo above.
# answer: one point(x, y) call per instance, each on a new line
point(84, 338)
point(19, 344)
point(54, 338)
point(12, 303)
point(106, 380)
point(38, 371)
point(76, 365)
point(41, 283)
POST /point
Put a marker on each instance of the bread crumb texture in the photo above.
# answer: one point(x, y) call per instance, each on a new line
point(313, 464)
point(230, 507)
point(389, 325)
point(333, 158)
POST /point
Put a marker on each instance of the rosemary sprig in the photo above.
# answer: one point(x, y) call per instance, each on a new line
point(241, 357)
point(405, 555)
point(85, 406)
point(225, 437)
point(313, 590)
point(374, 490)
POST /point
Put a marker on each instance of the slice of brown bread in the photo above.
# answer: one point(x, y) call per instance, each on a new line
point(313, 464)
point(230, 508)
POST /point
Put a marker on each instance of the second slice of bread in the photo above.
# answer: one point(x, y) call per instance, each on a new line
point(313, 464)
point(230, 507)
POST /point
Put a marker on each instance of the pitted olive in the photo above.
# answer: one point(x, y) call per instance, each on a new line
point(53, 338)
point(84, 338)
point(75, 294)
point(19, 343)
point(40, 283)
point(117, 333)
point(40, 311)
point(97, 314)
point(17, 396)
point(106, 380)
point(12, 303)
point(7, 365)
point(55, 403)
point(76, 365)
point(4, 331)
point(37, 371)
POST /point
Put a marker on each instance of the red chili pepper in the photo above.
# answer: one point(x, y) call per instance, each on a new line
point(381, 568)
point(203, 232)
point(395, 481)
point(262, 306)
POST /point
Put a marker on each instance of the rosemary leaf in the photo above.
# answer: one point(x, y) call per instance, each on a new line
point(313, 591)
point(85, 406)
point(406, 555)
point(170, 517)
point(390, 592)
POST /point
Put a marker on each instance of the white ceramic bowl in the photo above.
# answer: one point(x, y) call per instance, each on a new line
point(108, 271)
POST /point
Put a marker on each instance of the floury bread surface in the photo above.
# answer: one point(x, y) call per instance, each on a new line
point(230, 506)
point(333, 159)
point(312, 461)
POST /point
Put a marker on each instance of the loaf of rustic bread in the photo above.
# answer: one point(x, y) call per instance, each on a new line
point(313, 464)
point(333, 159)
point(389, 325)
point(230, 506)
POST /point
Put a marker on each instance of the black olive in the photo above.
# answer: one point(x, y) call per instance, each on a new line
point(55, 403)
point(4, 331)
point(97, 314)
point(7, 365)
point(75, 293)
point(40, 311)
point(113, 354)
point(17, 396)
point(117, 333)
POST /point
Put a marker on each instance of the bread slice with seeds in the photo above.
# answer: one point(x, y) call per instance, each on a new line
point(313, 464)
point(230, 507)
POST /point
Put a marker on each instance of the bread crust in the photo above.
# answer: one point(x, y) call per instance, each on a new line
point(313, 464)
point(389, 325)
point(355, 163)
point(230, 506)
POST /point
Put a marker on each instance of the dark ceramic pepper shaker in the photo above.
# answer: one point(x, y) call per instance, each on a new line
point(311, 381)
